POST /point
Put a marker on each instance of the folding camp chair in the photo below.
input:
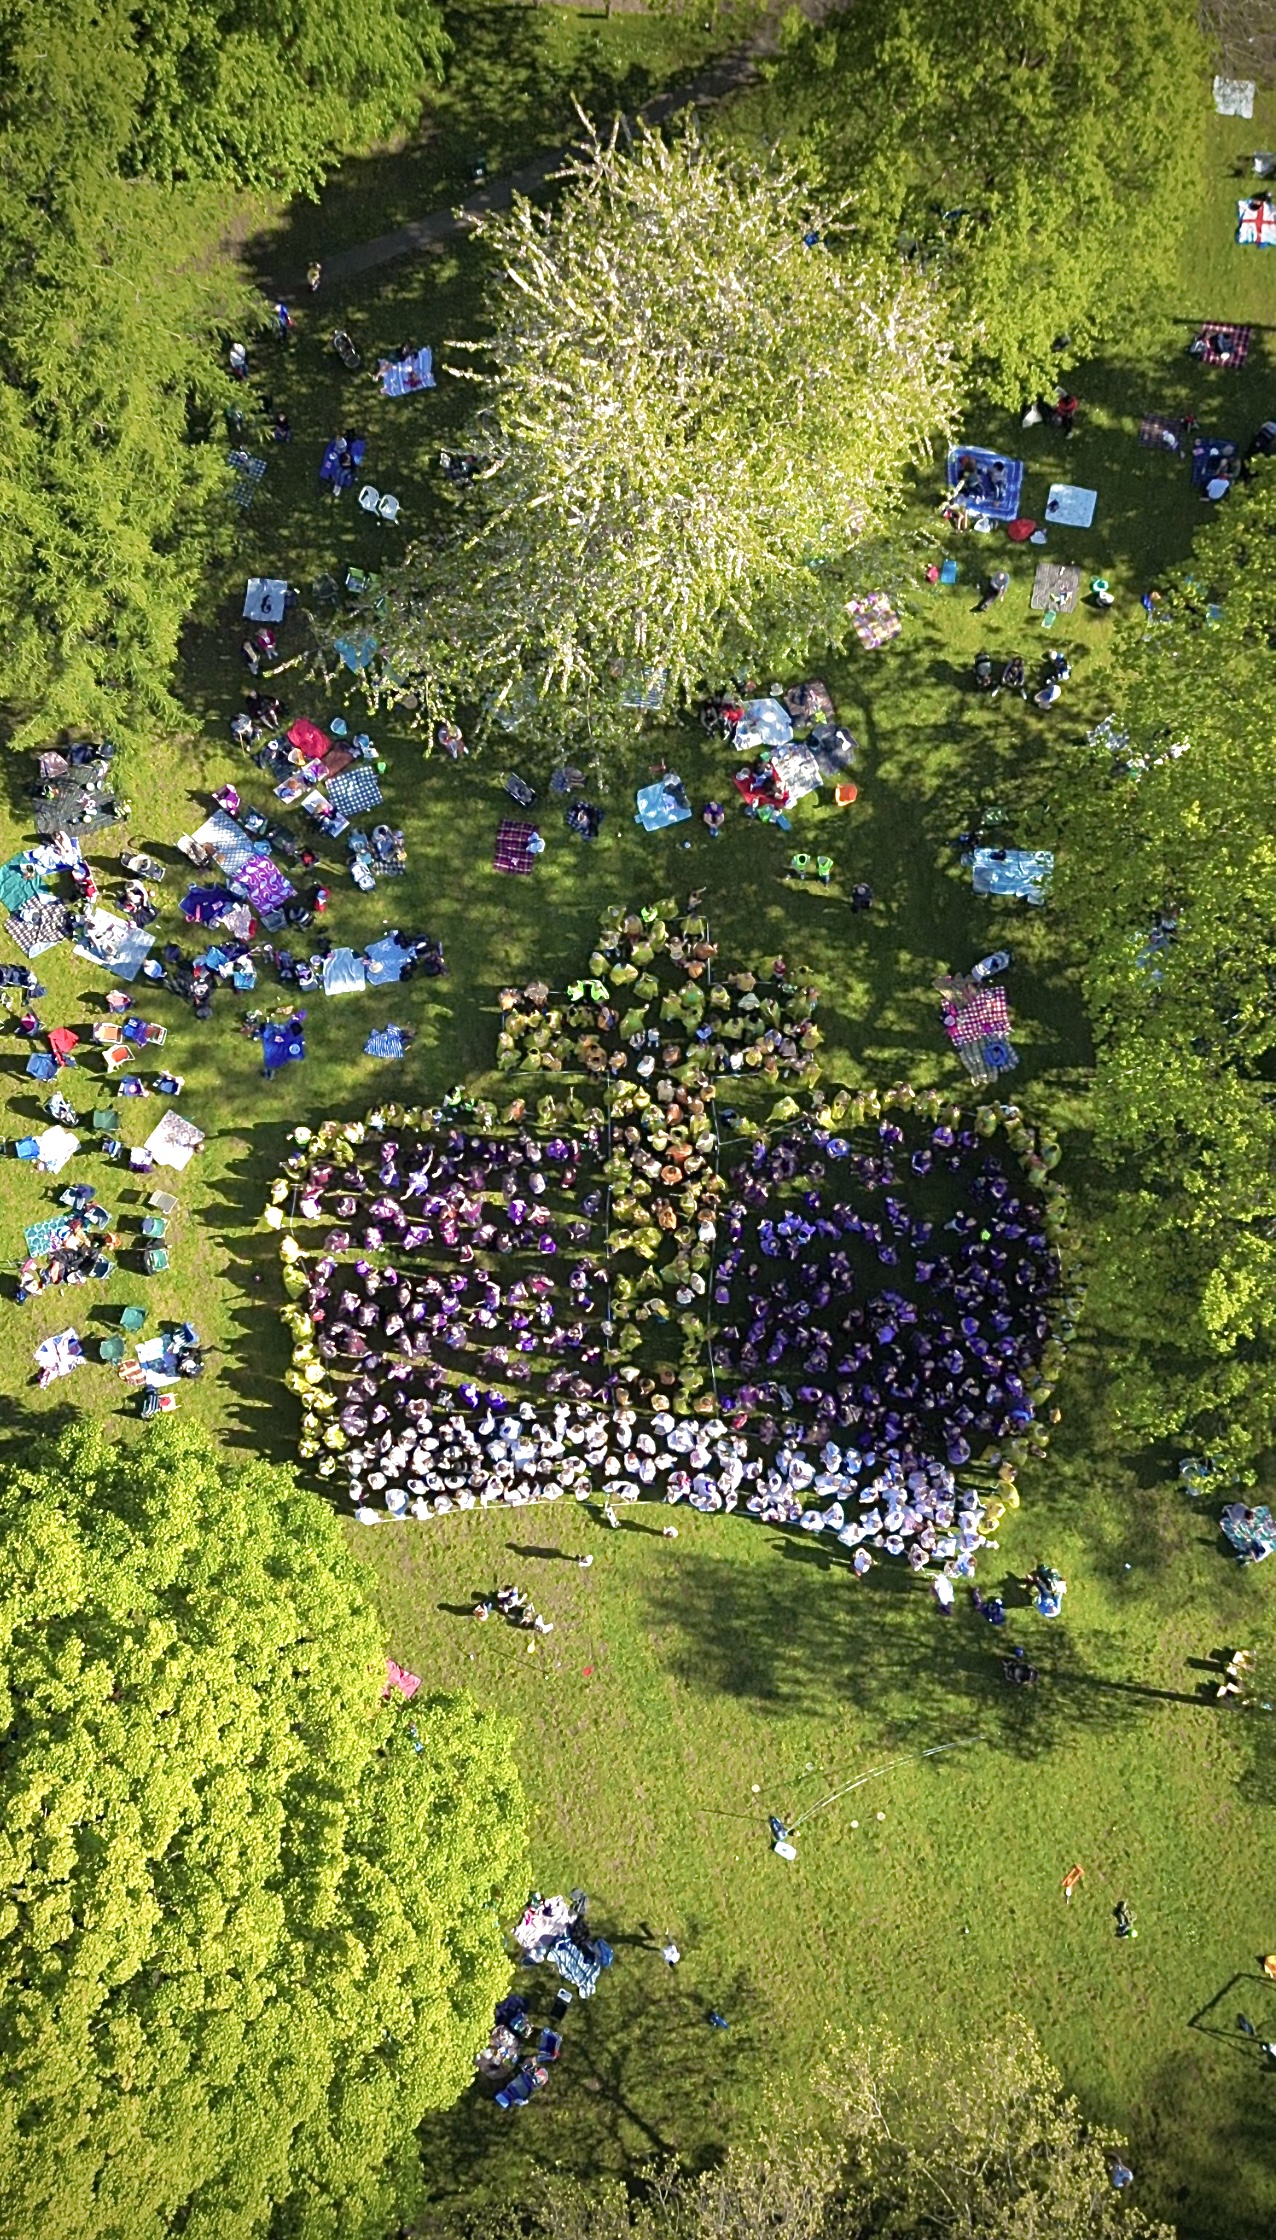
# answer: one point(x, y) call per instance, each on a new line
point(154, 1225)
point(116, 1057)
point(155, 1260)
point(163, 1201)
point(132, 1318)
point(103, 1121)
point(844, 795)
point(27, 1147)
point(111, 1350)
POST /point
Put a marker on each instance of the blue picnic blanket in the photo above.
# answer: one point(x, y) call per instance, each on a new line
point(993, 483)
point(1015, 871)
point(662, 804)
point(1212, 455)
point(400, 377)
point(281, 1046)
point(386, 1042)
point(575, 1969)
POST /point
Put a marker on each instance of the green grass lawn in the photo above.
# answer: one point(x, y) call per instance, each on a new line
point(734, 1672)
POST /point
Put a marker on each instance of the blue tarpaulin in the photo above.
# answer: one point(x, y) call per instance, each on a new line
point(282, 1046)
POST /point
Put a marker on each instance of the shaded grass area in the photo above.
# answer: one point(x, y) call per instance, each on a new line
point(512, 78)
point(737, 1656)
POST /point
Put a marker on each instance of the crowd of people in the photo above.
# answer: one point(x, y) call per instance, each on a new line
point(823, 1321)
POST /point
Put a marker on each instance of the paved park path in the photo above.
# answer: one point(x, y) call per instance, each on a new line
point(419, 235)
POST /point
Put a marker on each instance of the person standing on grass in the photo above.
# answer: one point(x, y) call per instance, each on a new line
point(670, 1953)
point(314, 274)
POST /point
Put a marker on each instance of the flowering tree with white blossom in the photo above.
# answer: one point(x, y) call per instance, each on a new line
point(696, 409)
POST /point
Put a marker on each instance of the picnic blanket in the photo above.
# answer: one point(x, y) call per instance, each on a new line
point(983, 1015)
point(384, 961)
point(1219, 344)
point(763, 723)
point(1256, 223)
point(353, 791)
point(400, 377)
point(57, 1356)
point(174, 1142)
point(340, 460)
point(1162, 431)
point(265, 600)
point(834, 749)
point(344, 974)
point(1251, 1532)
point(873, 619)
point(1213, 456)
point(993, 482)
point(796, 771)
point(1234, 97)
point(663, 803)
point(230, 844)
point(113, 943)
point(1068, 506)
point(282, 1046)
point(54, 1148)
point(308, 739)
point(248, 473)
point(513, 846)
point(20, 882)
point(1056, 587)
point(263, 884)
point(386, 1042)
point(356, 650)
point(1012, 871)
point(39, 925)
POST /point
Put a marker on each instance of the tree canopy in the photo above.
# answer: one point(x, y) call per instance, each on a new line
point(249, 1928)
point(1008, 150)
point(942, 2142)
point(121, 130)
point(1167, 872)
point(695, 410)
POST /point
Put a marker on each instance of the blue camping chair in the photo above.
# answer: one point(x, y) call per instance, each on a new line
point(27, 1147)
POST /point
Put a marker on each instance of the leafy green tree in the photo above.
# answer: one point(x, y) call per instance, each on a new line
point(1033, 154)
point(121, 130)
point(943, 2142)
point(1167, 873)
point(249, 1925)
point(695, 410)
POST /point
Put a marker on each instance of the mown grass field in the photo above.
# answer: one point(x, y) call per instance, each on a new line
point(691, 1687)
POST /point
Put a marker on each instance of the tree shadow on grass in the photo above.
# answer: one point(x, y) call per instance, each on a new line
point(800, 1633)
point(637, 2059)
point(1213, 2182)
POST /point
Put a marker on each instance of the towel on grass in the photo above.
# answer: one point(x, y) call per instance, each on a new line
point(401, 377)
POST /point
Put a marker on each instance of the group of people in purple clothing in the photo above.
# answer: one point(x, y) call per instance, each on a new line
point(460, 1337)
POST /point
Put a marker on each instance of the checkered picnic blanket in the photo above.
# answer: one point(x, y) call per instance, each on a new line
point(1256, 223)
point(1218, 331)
point(386, 1042)
point(873, 619)
point(248, 473)
point(353, 791)
point(513, 846)
point(985, 1015)
point(39, 925)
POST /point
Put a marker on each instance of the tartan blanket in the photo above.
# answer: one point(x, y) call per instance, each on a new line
point(512, 846)
point(1256, 223)
point(873, 619)
point(983, 1017)
point(1235, 340)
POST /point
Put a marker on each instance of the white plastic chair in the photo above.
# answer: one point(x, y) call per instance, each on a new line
point(369, 498)
point(389, 508)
